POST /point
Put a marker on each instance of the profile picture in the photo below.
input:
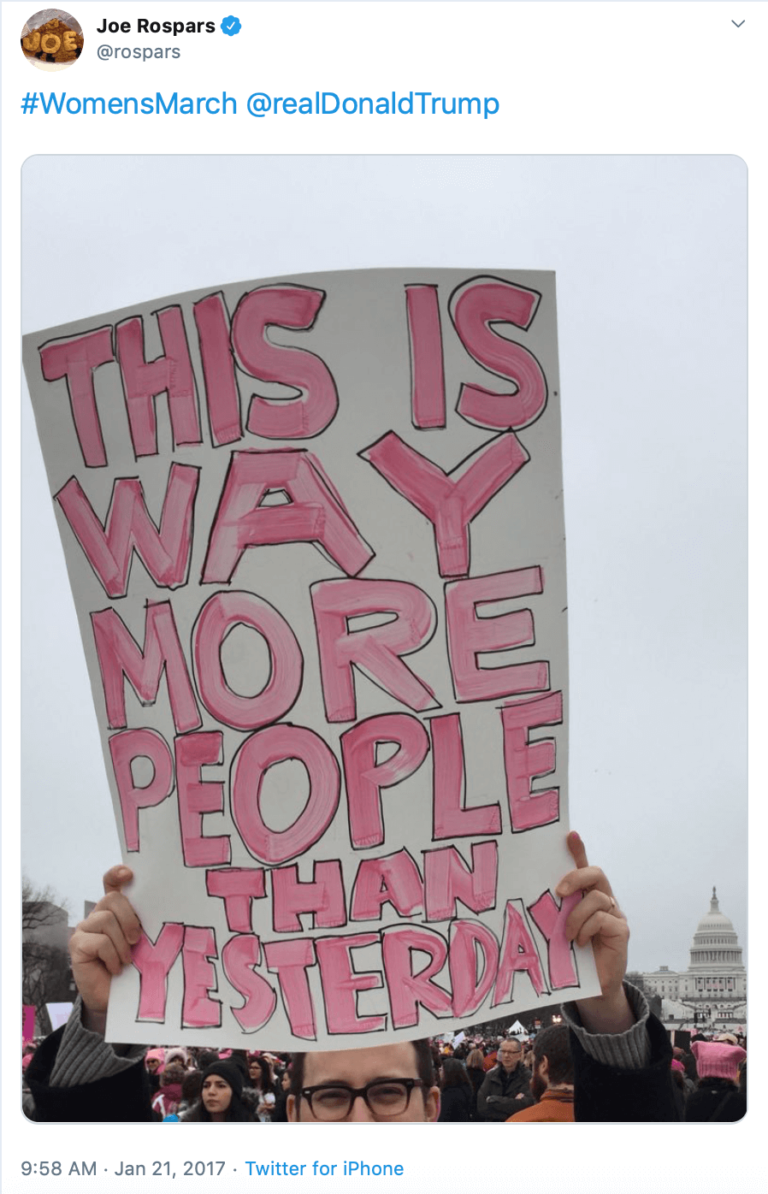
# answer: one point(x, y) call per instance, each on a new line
point(52, 39)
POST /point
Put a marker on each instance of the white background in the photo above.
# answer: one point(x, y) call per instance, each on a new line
point(657, 701)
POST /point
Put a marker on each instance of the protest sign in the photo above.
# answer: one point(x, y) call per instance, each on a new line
point(58, 1014)
point(314, 532)
point(27, 1023)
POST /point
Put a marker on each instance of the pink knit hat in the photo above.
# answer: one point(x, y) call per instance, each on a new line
point(677, 1065)
point(716, 1060)
point(158, 1055)
point(177, 1053)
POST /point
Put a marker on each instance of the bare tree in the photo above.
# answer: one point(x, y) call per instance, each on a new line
point(46, 971)
point(654, 999)
point(40, 906)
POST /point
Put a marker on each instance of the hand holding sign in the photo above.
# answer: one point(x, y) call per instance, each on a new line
point(598, 919)
point(101, 946)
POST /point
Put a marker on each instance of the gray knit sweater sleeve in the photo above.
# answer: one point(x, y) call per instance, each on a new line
point(85, 1056)
point(630, 1050)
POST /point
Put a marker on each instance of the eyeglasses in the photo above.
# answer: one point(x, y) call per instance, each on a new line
point(385, 1098)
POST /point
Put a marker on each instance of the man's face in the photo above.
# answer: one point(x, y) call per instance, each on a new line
point(355, 1068)
point(510, 1053)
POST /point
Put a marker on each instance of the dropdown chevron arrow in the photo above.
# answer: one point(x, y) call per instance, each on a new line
point(740, 23)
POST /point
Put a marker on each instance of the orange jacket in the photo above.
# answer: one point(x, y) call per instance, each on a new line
point(556, 1106)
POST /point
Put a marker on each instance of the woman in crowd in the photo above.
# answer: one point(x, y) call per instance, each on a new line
point(280, 1114)
point(167, 1099)
point(155, 1064)
point(678, 1081)
point(456, 1096)
point(476, 1075)
point(262, 1081)
point(221, 1096)
point(717, 1095)
point(178, 1055)
point(191, 1091)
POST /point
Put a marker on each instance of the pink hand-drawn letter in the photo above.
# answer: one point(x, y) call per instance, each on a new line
point(474, 312)
point(394, 879)
point(121, 658)
point(449, 500)
point(218, 369)
point(198, 796)
point(470, 635)
point(377, 650)
point(164, 553)
point(450, 815)
point(323, 896)
point(198, 1009)
point(524, 760)
point(427, 369)
point(365, 778)
point(290, 960)
point(294, 307)
point(518, 953)
point(153, 960)
point(220, 614)
point(125, 748)
point(447, 878)
point(341, 982)
point(143, 380)
point(239, 956)
point(258, 753)
point(409, 989)
point(77, 360)
point(237, 887)
point(314, 513)
point(551, 921)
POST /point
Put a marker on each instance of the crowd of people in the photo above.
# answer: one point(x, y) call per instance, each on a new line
point(608, 1060)
point(191, 1084)
point(507, 1079)
point(523, 1080)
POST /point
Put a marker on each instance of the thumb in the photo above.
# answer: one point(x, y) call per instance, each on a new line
point(116, 878)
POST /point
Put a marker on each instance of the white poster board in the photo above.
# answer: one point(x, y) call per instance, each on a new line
point(314, 531)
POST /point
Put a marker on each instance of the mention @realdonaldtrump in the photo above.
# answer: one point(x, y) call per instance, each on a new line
point(260, 104)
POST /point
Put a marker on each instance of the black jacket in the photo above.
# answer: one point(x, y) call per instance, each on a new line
point(497, 1098)
point(603, 1094)
point(123, 1097)
point(456, 1104)
point(715, 1099)
point(477, 1078)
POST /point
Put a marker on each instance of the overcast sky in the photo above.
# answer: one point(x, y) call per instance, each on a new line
point(650, 256)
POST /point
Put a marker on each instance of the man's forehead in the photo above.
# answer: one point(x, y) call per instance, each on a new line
point(356, 1067)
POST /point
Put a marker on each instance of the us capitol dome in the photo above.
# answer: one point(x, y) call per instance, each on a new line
point(715, 984)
